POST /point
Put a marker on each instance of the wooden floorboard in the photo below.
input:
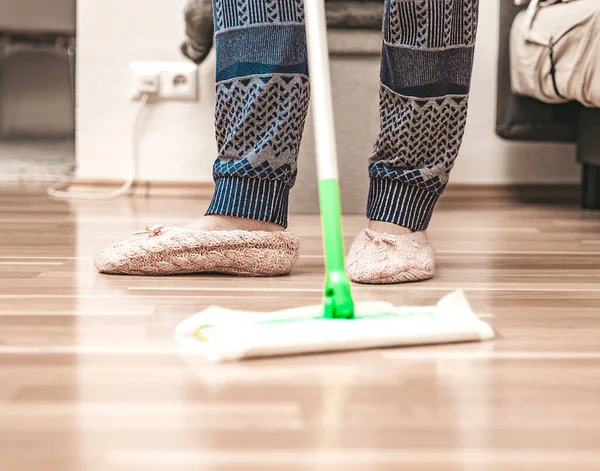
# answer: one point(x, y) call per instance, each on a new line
point(91, 380)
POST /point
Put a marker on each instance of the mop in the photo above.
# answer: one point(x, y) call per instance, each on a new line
point(338, 324)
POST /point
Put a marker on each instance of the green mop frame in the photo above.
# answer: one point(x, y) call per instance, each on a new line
point(338, 301)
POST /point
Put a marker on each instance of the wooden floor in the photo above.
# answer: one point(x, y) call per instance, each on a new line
point(90, 378)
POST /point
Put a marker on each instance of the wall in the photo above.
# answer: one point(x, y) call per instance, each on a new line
point(178, 142)
point(178, 139)
point(37, 15)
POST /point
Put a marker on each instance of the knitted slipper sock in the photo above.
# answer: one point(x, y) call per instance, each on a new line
point(378, 258)
point(171, 251)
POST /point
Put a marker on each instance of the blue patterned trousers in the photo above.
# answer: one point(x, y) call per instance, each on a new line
point(263, 93)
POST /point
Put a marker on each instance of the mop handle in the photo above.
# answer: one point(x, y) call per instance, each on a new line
point(318, 58)
point(338, 302)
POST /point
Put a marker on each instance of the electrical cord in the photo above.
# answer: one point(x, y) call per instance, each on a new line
point(59, 190)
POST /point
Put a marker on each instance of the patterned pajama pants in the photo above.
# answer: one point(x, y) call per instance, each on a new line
point(263, 94)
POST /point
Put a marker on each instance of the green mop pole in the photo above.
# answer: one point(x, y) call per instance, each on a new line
point(338, 303)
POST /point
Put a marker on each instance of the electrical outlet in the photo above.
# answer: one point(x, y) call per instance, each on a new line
point(165, 80)
point(179, 83)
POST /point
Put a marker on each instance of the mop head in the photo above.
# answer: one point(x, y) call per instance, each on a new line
point(225, 335)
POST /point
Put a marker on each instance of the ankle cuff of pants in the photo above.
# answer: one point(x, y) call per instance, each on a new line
point(251, 198)
point(400, 203)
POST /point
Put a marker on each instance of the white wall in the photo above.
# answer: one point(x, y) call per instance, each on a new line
point(178, 141)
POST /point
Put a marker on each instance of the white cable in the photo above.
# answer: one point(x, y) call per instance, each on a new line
point(58, 191)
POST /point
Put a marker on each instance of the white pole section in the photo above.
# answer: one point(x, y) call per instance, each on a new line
point(320, 83)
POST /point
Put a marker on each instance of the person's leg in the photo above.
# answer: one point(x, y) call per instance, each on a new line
point(262, 101)
point(425, 80)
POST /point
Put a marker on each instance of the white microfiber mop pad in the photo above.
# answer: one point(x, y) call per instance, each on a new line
point(226, 335)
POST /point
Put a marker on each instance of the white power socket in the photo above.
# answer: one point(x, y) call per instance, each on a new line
point(166, 80)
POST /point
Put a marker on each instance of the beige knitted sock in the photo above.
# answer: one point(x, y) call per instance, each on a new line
point(381, 258)
point(215, 244)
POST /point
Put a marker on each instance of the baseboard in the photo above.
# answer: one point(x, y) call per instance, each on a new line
point(523, 192)
point(146, 189)
point(458, 192)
